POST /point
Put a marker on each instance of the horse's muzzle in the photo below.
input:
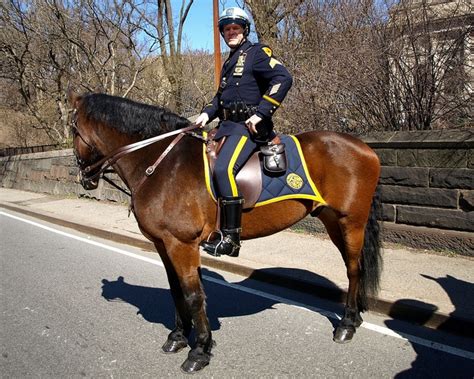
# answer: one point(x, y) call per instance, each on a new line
point(87, 184)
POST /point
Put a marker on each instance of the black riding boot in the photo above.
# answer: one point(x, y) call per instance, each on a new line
point(228, 239)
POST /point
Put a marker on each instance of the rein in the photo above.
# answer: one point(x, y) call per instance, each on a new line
point(113, 157)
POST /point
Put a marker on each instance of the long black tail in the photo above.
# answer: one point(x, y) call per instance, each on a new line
point(371, 261)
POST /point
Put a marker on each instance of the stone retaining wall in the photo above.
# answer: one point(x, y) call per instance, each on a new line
point(53, 172)
point(426, 186)
point(427, 178)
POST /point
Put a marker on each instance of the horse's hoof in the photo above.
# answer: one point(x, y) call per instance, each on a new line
point(343, 334)
point(191, 366)
point(171, 346)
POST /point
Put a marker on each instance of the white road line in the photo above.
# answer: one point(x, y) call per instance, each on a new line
point(86, 240)
point(373, 327)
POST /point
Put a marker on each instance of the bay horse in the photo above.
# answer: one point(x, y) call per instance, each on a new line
point(174, 210)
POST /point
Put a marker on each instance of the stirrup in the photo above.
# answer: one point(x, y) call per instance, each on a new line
point(217, 231)
point(214, 252)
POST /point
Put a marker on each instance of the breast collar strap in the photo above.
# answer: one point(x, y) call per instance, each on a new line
point(151, 169)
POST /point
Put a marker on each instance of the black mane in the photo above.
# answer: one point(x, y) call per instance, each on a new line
point(130, 117)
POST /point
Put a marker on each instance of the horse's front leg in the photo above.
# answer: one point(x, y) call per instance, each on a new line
point(185, 260)
point(194, 296)
point(178, 338)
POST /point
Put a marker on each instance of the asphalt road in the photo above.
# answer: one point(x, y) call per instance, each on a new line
point(73, 306)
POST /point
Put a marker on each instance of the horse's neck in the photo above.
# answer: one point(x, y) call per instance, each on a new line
point(127, 167)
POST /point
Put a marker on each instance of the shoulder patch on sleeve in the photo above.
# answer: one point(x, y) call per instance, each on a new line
point(273, 62)
point(267, 51)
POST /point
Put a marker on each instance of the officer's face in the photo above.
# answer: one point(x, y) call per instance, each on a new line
point(233, 35)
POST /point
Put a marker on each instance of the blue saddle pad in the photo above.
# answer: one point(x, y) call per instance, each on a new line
point(294, 183)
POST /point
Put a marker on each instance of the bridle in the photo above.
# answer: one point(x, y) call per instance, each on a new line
point(93, 150)
point(94, 170)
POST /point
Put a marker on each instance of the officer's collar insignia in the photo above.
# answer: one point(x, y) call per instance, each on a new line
point(267, 51)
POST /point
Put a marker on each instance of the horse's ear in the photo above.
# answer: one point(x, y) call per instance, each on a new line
point(72, 98)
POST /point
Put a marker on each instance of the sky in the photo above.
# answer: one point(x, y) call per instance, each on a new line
point(198, 27)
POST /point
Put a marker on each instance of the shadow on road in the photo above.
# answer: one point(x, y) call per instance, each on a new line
point(461, 293)
point(429, 360)
point(156, 305)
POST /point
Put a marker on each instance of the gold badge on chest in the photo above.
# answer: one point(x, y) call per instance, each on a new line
point(239, 66)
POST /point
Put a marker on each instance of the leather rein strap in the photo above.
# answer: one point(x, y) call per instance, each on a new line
point(110, 159)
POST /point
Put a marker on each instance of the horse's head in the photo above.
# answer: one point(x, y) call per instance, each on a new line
point(85, 151)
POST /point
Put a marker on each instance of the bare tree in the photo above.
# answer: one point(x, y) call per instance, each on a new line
point(428, 69)
point(51, 45)
point(270, 16)
point(168, 37)
point(360, 66)
point(31, 63)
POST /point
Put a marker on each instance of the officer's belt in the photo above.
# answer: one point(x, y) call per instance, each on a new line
point(237, 114)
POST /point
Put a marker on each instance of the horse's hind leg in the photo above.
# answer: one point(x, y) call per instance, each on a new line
point(354, 242)
point(348, 236)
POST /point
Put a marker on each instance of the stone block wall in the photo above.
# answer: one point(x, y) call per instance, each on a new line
point(427, 188)
point(53, 172)
point(427, 178)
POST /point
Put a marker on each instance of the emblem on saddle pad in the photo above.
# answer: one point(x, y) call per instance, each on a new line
point(294, 181)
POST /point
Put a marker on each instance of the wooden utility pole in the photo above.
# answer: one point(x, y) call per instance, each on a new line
point(217, 45)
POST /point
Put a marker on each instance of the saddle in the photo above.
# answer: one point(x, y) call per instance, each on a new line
point(249, 178)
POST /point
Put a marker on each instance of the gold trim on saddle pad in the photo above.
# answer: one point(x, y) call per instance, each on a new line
point(293, 180)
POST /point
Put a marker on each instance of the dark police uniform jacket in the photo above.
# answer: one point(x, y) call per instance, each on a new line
point(251, 76)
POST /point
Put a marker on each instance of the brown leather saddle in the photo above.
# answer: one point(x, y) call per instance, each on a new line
point(248, 179)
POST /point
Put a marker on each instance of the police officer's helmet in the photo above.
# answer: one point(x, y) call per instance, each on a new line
point(234, 15)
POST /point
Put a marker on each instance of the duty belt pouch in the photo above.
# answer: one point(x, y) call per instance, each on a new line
point(274, 157)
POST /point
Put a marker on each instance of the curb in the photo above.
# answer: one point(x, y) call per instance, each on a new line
point(398, 310)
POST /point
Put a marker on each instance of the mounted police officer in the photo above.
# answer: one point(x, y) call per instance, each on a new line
point(253, 84)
